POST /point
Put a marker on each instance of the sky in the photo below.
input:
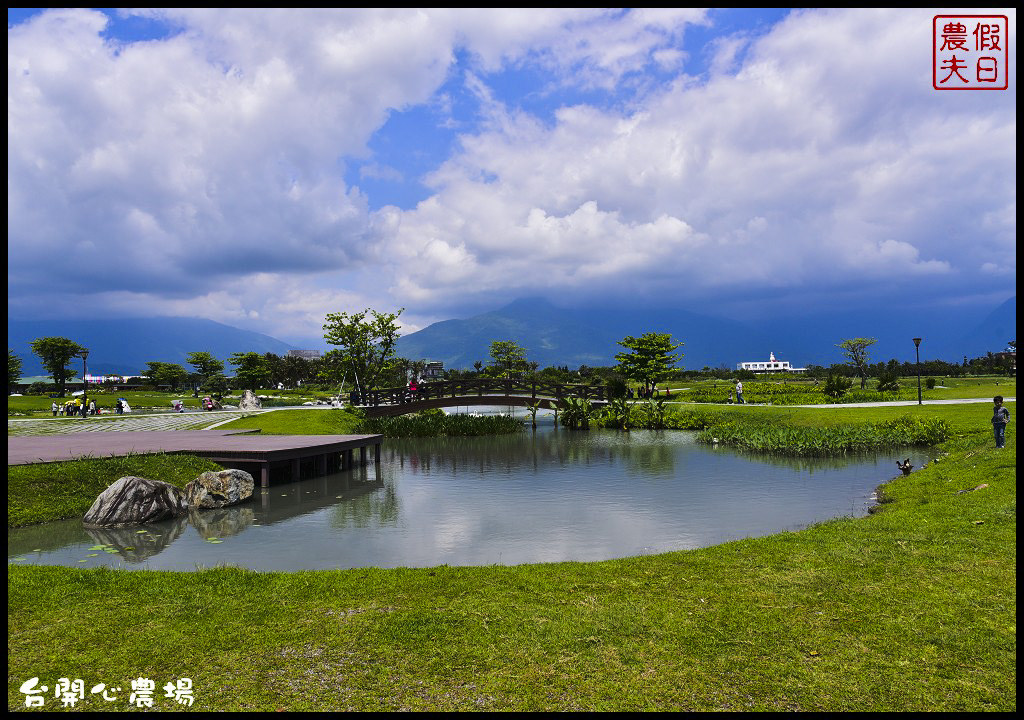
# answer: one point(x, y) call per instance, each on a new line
point(263, 168)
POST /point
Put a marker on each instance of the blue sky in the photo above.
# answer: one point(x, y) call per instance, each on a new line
point(265, 167)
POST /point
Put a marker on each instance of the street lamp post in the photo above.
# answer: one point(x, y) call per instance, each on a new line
point(85, 385)
point(917, 351)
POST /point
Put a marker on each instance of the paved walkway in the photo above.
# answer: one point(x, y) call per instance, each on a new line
point(899, 403)
point(125, 423)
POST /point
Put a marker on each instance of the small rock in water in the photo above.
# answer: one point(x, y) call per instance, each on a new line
point(219, 489)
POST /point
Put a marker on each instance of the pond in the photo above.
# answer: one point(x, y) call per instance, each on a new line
point(543, 496)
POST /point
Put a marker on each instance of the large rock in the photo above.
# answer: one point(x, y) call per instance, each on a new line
point(219, 489)
point(249, 401)
point(134, 500)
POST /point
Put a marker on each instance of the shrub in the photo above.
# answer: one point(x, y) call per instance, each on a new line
point(836, 386)
point(930, 383)
point(888, 381)
point(38, 388)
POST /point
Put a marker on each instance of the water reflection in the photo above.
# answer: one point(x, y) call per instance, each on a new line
point(540, 496)
point(135, 544)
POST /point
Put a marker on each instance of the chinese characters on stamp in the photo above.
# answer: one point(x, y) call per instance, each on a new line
point(69, 692)
point(970, 52)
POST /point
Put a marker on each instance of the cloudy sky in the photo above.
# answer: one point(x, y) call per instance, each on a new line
point(263, 168)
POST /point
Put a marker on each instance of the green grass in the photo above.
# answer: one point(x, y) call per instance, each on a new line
point(912, 608)
point(139, 400)
point(335, 421)
point(348, 422)
point(54, 491)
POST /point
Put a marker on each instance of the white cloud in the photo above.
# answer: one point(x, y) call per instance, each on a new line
point(202, 173)
point(826, 160)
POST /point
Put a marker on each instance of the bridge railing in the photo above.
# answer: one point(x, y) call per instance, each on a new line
point(480, 386)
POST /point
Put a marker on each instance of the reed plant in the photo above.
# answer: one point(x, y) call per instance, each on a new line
point(434, 424)
point(762, 436)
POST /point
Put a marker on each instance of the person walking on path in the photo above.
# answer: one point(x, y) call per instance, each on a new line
point(739, 392)
point(53, 408)
point(1000, 416)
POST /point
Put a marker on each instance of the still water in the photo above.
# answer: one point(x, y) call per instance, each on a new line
point(543, 496)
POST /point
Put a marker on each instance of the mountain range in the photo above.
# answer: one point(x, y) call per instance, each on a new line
point(123, 347)
point(590, 336)
point(561, 336)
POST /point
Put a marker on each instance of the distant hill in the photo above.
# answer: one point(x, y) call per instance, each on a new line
point(589, 336)
point(125, 346)
point(574, 337)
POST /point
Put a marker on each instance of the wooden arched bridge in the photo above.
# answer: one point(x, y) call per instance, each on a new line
point(478, 391)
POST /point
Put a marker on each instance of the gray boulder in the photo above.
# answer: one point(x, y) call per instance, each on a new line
point(219, 489)
point(249, 401)
point(134, 500)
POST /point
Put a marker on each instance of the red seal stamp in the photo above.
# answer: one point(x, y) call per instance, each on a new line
point(970, 52)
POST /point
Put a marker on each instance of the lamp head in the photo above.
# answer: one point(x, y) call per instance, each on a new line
point(917, 342)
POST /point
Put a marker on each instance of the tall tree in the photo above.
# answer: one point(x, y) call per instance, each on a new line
point(651, 356)
point(161, 373)
point(13, 369)
point(508, 359)
point(55, 354)
point(252, 371)
point(366, 344)
point(206, 366)
point(856, 352)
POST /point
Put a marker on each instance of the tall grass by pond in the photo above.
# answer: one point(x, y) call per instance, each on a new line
point(770, 437)
point(434, 424)
point(796, 393)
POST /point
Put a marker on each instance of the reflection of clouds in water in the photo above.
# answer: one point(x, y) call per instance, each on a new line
point(547, 496)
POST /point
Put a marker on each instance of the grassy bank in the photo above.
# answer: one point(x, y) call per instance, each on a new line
point(54, 491)
point(912, 608)
point(346, 422)
point(334, 421)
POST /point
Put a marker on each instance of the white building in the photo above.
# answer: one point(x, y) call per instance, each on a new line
point(772, 365)
point(433, 371)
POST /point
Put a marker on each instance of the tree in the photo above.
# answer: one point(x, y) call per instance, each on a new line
point(206, 366)
point(252, 370)
point(508, 359)
point(161, 373)
point(367, 346)
point(13, 369)
point(651, 357)
point(55, 354)
point(856, 352)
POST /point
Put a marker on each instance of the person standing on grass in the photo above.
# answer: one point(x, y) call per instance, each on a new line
point(739, 392)
point(1000, 416)
point(53, 408)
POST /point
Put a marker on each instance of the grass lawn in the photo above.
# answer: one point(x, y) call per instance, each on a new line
point(911, 608)
point(335, 421)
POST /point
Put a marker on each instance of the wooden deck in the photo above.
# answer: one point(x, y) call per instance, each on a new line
point(245, 450)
